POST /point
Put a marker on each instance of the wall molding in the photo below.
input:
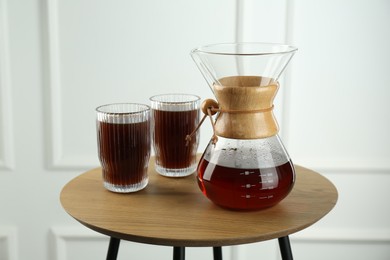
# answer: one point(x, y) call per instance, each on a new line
point(338, 235)
point(62, 235)
point(369, 236)
point(55, 157)
point(6, 119)
point(334, 167)
point(52, 86)
point(8, 236)
point(288, 35)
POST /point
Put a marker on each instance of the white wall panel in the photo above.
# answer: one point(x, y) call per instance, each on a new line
point(78, 243)
point(342, 244)
point(8, 243)
point(6, 122)
point(262, 250)
point(120, 52)
point(362, 202)
point(262, 20)
point(342, 235)
point(346, 250)
point(338, 109)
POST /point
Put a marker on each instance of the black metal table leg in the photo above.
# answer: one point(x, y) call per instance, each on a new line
point(217, 252)
point(285, 248)
point(178, 253)
point(113, 248)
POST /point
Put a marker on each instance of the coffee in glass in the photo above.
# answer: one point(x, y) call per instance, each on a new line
point(123, 132)
point(174, 117)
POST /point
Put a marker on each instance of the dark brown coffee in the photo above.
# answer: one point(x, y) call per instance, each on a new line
point(124, 151)
point(170, 131)
point(245, 189)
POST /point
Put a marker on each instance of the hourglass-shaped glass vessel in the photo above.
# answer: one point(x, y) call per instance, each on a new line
point(245, 166)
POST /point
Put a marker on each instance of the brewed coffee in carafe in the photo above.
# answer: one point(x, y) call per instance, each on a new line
point(245, 166)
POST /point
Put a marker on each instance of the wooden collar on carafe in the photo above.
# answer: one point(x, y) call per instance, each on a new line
point(210, 107)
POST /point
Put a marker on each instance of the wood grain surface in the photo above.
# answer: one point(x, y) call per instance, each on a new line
point(174, 212)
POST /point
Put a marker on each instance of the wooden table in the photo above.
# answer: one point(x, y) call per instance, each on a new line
point(174, 212)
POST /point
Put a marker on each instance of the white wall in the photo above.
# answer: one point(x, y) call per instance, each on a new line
point(59, 59)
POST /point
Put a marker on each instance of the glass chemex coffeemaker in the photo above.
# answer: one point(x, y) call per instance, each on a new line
point(245, 166)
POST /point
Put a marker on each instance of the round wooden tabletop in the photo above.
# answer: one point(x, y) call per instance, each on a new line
point(174, 212)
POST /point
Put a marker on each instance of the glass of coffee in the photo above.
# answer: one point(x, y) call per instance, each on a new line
point(175, 116)
point(123, 137)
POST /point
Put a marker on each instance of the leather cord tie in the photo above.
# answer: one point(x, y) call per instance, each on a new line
point(210, 107)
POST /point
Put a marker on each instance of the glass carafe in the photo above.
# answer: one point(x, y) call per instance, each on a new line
point(245, 166)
